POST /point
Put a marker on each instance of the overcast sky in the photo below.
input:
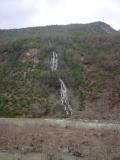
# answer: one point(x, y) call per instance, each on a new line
point(27, 13)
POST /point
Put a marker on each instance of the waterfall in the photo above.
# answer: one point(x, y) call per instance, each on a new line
point(64, 97)
point(54, 61)
point(63, 88)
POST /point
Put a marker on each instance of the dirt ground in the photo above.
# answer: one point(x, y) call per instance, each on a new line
point(33, 140)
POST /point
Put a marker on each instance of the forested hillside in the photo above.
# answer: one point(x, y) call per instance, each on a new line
point(89, 64)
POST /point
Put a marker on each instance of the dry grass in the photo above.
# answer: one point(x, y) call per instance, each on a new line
point(87, 144)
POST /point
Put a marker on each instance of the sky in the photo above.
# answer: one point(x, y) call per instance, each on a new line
point(28, 13)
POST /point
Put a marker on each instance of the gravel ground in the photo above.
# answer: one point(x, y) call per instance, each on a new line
point(59, 139)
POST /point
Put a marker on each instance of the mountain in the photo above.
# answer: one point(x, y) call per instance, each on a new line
point(88, 63)
point(80, 29)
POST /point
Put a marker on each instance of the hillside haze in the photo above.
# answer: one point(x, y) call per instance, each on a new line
point(90, 28)
point(88, 62)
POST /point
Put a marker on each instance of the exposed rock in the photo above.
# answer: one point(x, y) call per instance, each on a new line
point(2, 59)
point(30, 55)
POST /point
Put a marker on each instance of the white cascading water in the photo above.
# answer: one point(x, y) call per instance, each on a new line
point(64, 98)
point(63, 88)
point(54, 61)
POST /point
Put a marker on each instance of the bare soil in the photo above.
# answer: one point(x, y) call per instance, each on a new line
point(51, 139)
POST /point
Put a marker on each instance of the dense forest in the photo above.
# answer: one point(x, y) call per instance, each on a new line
point(89, 63)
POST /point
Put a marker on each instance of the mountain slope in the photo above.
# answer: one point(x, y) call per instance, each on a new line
point(89, 59)
point(90, 28)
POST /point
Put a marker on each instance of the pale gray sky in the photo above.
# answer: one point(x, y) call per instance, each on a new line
point(27, 13)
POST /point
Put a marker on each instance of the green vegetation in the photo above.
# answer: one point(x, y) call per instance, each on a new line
point(88, 63)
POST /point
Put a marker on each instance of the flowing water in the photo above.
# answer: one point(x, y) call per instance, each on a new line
point(64, 98)
point(63, 88)
point(54, 61)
